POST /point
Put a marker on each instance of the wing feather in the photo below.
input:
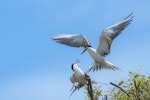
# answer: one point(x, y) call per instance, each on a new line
point(74, 40)
point(110, 33)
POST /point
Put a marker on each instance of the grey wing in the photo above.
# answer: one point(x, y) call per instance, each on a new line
point(74, 40)
point(107, 36)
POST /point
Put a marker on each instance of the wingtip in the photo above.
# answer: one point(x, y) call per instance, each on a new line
point(51, 36)
point(130, 16)
point(131, 13)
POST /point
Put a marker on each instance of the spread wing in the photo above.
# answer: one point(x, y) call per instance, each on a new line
point(110, 33)
point(74, 40)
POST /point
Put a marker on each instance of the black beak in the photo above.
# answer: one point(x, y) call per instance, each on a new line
point(84, 50)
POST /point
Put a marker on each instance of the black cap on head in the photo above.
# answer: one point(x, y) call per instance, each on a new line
point(72, 67)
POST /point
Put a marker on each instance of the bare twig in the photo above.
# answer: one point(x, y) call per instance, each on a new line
point(120, 89)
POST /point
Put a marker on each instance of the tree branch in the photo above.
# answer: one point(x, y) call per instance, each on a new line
point(138, 96)
point(89, 87)
point(120, 89)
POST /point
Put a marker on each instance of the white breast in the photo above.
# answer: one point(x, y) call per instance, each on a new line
point(95, 55)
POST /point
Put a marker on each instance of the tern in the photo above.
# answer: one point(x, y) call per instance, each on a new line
point(79, 76)
point(104, 44)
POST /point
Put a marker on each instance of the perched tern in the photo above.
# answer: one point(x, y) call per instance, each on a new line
point(103, 48)
point(79, 76)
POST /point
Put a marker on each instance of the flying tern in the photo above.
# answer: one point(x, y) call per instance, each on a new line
point(104, 44)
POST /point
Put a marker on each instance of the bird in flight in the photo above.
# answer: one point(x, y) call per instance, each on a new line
point(105, 40)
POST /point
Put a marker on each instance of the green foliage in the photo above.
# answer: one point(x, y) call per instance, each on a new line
point(138, 87)
point(96, 92)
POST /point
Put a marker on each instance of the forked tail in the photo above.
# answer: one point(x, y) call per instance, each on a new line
point(103, 65)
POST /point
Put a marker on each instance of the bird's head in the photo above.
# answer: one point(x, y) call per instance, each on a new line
point(74, 64)
point(85, 48)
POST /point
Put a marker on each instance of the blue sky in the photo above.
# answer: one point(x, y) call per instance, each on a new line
point(33, 67)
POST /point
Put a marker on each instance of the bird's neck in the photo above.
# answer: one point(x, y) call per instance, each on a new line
point(90, 49)
point(76, 68)
point(93, 53)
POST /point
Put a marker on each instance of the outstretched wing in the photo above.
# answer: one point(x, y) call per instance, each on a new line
point(74, 40)
point(107, 36)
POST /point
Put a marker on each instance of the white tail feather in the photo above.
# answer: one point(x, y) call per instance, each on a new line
point(103, 65)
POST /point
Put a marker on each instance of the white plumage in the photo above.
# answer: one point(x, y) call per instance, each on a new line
point(78, 76)
point(103, 48)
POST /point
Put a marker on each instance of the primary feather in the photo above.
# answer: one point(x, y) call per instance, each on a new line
point(74, 40)
point(110, 33)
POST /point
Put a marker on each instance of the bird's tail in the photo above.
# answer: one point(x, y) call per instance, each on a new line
point(103, 65)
